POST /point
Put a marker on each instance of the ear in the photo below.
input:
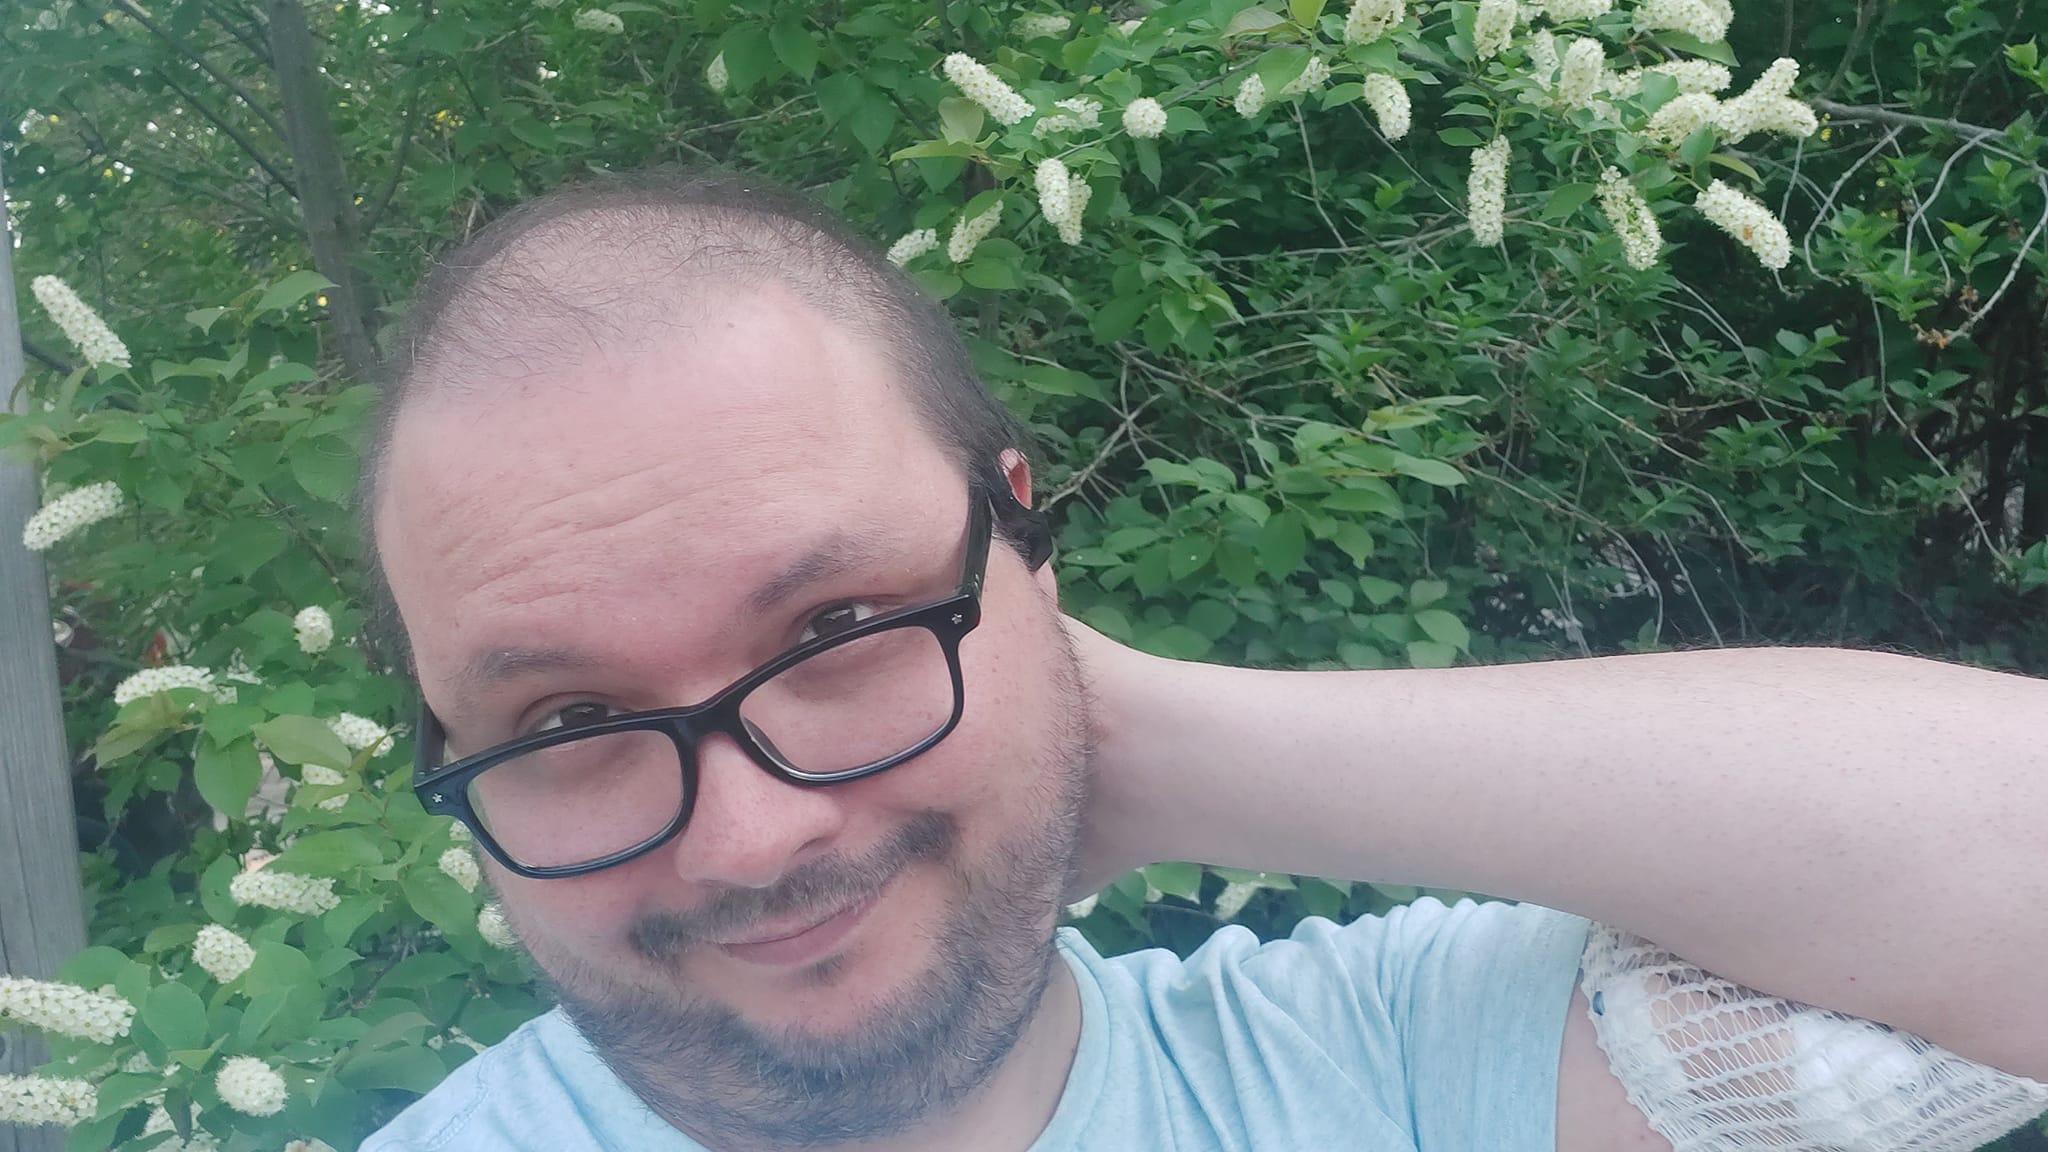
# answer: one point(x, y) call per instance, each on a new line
point(1017, 473)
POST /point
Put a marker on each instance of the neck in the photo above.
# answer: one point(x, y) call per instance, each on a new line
point(1015, 1105)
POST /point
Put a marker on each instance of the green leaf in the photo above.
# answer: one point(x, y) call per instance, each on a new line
point(440, 900)
point(228, 776)
point(961, 119)
point(1735, 164)
point(1189, 554)
point(304, 740)
point(1460, 137)
point(1424, 592)
point(993, 274)
point(1718, 51)
point(1697, 146)
point(330, 853)
point(408, 1069)
point(1431, 654)
point(203, 318)
point(1443, 627)
point(1305, 12)
point(1176, 642)
point(1282, 543)
point(1116, 318)
point(932, 148)
point(1429, 471)
point(1176, 879)
point(325, 467)
point(794, 47)
point(1567, 199)
point(292, 289)
point(176, 1016)
point(1658, 90)
point(748, 55)
point(1253, 19)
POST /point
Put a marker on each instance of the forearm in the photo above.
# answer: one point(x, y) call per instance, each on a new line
point(1863, 832)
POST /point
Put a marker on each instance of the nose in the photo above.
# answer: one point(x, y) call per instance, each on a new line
point(747, 828)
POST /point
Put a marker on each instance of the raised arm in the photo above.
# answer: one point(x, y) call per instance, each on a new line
point(1859, 831)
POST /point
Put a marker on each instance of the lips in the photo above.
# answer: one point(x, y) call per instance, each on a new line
point(801, 942)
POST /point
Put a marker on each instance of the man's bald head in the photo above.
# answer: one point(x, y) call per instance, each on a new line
point(613, 264)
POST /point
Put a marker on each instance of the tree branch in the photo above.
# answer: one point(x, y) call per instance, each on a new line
point(234, 133)
point(49, 359)
point(1863, 113)
point(398, 154)
point(199, 58)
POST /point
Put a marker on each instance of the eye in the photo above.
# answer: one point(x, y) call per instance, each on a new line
point(575, 716)
point(835, 619)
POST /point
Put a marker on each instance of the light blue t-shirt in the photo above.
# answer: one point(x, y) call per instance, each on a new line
point(1431, 1029)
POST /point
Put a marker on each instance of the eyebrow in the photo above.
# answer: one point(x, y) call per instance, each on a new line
point(836, 555)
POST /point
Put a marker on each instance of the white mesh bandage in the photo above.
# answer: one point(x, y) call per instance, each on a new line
point(1717, 1067)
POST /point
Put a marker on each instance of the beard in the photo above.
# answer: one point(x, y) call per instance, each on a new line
point(731, 1085)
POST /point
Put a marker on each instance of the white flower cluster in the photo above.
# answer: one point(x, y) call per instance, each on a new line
point(1692, 76)
point(1037, 24)
point(1486, 191)
point(1493, 26)
point(1744, 218)
point(1579, 77)
point(320, 775)
point(223, 954)
point(1251, 97)
point(66, 1009)
point(599, 20)
point(315, 629)
point(1144, 119)
point(459, 865)
point(1389, 101)
point(250, 1087)
point(1063, 198)
point(459, 833)
point(1705, 20)
point(151, 681)
point(1680, 117)
point(1631, 218)
point(494, 928)
point(1314, 75)
point(1542, 48)
point(83, 326)
point(284, 891)
point(980, 85)
point(74, 510)
point(359, 732)
point(1077, 112)
point(968, 233)
point(716, 77)
point(1369, 20)
point(32, 1100)
point(911, 245)
point(1767, 107)
point(1566, 10)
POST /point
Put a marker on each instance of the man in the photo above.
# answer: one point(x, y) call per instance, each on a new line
point(743, 660)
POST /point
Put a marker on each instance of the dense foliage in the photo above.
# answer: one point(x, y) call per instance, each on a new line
point(1322, 377)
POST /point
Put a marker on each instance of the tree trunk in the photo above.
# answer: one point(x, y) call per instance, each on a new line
point(326, 199)
point(42, 901)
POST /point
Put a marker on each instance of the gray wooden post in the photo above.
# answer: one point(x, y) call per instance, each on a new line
point(42, 901)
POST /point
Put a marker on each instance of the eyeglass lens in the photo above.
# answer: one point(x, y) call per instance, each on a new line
point(833, 713)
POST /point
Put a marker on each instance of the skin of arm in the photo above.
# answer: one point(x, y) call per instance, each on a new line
point(1860, 831)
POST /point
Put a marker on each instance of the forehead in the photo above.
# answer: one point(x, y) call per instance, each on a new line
point(642, 494)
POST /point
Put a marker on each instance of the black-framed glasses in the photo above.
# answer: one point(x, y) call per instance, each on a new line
point(573, 800)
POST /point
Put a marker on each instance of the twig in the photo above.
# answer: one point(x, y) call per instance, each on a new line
point(135, 10)
point(1315, 187)
point(398, 154)
point(234, 133)
point(1864, 113)
point(1806, 242)
point(52, 360)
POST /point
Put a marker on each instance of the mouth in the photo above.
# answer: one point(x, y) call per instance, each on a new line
point(807, 941)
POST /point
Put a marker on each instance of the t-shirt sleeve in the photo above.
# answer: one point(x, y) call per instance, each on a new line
point(1477, 995)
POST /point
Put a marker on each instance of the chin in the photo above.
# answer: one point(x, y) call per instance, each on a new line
point(872, 975)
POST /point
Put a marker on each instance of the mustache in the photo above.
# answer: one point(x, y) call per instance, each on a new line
point(821, 884)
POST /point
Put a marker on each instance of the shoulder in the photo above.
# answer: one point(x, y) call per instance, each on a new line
point(511, 1094)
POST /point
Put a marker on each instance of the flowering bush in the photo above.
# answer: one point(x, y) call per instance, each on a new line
point(1371, 334)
